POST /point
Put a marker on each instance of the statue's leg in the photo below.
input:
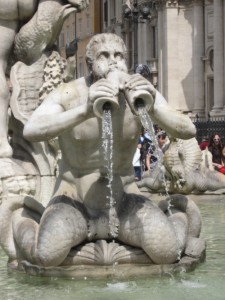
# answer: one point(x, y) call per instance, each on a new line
point(176, 203)
point(25, 225)
point(143, 224)
point(184, 204)
point(8, 31)
point(7, 212)
point(62, 226)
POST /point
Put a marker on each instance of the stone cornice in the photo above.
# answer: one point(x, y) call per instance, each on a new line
point(174, 3)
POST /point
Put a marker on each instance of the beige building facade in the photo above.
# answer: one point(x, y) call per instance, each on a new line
point(182, 43)
point(88, 23)
point(79, 28)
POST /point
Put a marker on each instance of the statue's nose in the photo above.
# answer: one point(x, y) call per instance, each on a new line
point(112, 60)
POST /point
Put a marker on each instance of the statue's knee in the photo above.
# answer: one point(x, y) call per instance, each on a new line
point(48, 255)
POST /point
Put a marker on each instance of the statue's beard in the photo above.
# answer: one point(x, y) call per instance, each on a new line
point(120, 68)
point(104, 74)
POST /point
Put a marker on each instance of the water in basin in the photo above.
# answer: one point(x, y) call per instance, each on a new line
point(206, 282)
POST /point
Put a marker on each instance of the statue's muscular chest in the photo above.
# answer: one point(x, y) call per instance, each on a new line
point(124, 126)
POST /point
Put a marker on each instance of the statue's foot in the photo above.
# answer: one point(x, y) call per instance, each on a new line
point(5, 149)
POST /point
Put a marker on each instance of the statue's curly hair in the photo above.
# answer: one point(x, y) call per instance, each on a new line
point(99, 39)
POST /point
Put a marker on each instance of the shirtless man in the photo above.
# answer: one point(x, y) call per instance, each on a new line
point(79, 210)
point(13, 14)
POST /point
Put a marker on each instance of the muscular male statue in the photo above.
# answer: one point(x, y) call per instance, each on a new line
point(78, 210)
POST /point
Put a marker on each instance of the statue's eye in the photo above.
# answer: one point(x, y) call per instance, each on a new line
point(119, 55)
point(103, 54)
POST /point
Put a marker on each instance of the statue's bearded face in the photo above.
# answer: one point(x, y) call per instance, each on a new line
point(79, 4)
point(108, 57)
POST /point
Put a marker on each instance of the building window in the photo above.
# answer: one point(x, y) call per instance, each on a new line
point(154, 43)
point(130, 52)
point(210, 93)
point(88, 31)
point(211, 56)
point(81, 71)
point(73, 31)
point(61, 39)
point(80, 28)
point(112, 12)
point(67, 37)
point(106, 13)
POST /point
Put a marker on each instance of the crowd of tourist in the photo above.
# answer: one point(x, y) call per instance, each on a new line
point(217, 149)
point(148, 154)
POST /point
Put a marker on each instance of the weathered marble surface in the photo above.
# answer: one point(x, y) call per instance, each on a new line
point(118, 271)
point(28, 29)
point(56, 129)
point(186, 169)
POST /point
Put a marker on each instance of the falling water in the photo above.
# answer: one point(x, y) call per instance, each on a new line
point(107, 145)
point(148, 125)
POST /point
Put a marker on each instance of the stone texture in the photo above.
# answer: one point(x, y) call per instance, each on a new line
point(84, 199)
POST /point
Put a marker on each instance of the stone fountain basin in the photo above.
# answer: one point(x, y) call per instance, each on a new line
point(186, 264)
point(116, 271)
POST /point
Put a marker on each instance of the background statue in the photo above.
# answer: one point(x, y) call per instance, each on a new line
point(43, 21)
point(81, 210)
point(185, 169)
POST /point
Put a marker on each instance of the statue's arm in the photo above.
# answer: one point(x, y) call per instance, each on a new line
point(174, 122)
point(51, 118)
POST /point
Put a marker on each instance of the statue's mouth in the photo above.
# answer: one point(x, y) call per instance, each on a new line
point(113, 68)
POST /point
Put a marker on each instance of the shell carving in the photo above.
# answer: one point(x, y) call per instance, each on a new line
point(103, 253)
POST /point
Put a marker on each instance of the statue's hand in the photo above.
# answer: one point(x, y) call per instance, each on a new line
point(139, 87)
point(138, 82)
point(66, 11)
point(102, 88)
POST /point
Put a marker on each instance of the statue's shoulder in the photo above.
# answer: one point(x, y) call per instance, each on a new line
point(75, 87)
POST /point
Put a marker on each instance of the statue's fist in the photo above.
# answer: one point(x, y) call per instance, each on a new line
point(139, 92)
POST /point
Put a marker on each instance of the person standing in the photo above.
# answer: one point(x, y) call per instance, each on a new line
point(215, 147)
point(136, 162)
point(221, 166)
point(204, 143)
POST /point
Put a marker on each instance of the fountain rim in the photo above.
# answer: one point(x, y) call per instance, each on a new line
point(114, 271)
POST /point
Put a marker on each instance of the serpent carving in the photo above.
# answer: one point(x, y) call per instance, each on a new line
point(186, 169)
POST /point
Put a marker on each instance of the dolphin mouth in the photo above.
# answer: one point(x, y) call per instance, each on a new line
point(79, 5)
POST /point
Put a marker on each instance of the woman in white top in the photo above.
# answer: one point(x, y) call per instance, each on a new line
point(137, 162)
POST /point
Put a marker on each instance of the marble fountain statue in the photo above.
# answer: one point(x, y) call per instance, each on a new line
point(184, 169)
point(69, 202)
